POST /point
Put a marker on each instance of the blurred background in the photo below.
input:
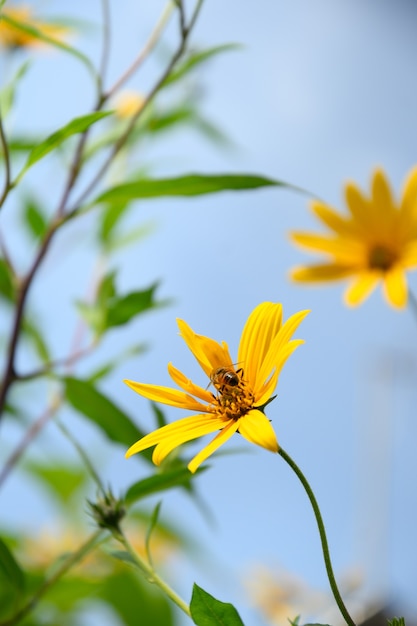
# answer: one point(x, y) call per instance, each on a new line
point(317, 94)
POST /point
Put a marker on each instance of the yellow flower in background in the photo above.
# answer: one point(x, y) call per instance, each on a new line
point(242, 388)
point(127, 103)
point(376, 242)
point(11, 36)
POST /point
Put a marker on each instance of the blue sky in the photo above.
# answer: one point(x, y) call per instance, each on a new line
point(317, 95)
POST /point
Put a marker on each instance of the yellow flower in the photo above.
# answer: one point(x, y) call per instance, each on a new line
point(11, 36)
point(241, 388)
point(375, 242)
point(128, 103)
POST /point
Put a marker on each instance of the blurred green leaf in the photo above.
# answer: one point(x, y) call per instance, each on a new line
point(178, 477)
point(111, 310)
point(163, 121)
point(189, 185)
point(63, 480)
point(122, 555)
point(207, 611)
point(34, 219)
point(34, 334)
point(7, 94)
point(196, 59)
point(122, 309)
point(110, 217)
point(12, 578)
point(77, 125)
point(133, 236)
point(7, 290)
point(38, 34)
point(152, 524)
point(107, 368)
point(93, 404)
point(159, 414)
point(135, 600)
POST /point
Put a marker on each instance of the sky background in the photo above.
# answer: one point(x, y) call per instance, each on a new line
point(319, 93)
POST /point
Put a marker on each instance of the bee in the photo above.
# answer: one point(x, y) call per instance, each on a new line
point(224, 377)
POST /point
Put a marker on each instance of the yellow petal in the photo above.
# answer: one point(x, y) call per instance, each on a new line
point(256, 428)
point(395, 287)
point(185, 383)
point(345, 250)
point(320, 273)
point(382, 196)
point(361, 288)
point(338, 223)
point(264, 392)
point(209, 353)
point(409, 256)
point(169, 443)
point(182, 430)
point(261, 327)
point(223, 436)
point(166, 395)
point(359, 206)
point(409, 199)
point(273, 359)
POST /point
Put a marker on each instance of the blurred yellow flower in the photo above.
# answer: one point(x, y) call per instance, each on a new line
point(14, 36)
point(375, 242)
point(128, 103)
point(242, 389)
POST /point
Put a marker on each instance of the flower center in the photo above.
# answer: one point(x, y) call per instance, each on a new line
point(381, 258)
point(233, 401)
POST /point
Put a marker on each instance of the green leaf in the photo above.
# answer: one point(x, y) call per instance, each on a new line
point(35, 219)
point(196, 59)
point(122, 555)
point(158, 482)
point(111, 310)
point(7, 94)
point(121, 310)
point(31, 30)
point(7, 290)
point(189, 185)
point(77, 125)
point(93, 404)
point(11, 573)
point(133, 600)
point(110, 217)
point(63, 480)
point(207, 611)
point(150, 529)
point(33, 333)
point(396, 621)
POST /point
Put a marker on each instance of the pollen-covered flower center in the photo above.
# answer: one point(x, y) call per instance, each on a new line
point(234, 398)
point(381, 258)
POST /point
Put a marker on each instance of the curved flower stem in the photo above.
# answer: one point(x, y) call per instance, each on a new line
point(322, 531)
point(74, 558)
point(150, 573)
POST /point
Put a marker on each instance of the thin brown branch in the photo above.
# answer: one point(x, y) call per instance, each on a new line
point(121, 141)
point(67, 361)
point(29, 436)
point(144, 53)
point(105, 9)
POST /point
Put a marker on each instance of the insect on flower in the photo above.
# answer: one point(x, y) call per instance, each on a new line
point(265, 345)
point(223, 377)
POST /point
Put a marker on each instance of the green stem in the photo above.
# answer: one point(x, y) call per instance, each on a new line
point(72, 560)
point(150, 573)
point(322, 531)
